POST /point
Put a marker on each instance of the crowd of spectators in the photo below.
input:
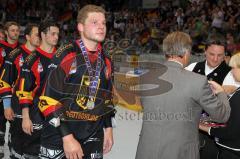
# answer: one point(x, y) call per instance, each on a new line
point(200, 18)
point(144, 27)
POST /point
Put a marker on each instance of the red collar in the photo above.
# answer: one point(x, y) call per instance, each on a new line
point(9, 45)
point(44, 53)
point(26, 49)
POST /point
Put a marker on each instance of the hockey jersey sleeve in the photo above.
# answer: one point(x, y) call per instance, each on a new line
point(52, 99)
point(51, 102)
point(109, 105)
point(27, 81)
point(9, 74)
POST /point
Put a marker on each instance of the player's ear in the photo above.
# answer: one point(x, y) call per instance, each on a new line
point(80, 27)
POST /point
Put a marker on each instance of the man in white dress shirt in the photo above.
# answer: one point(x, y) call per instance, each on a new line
point(216, 69)
point(215, 61)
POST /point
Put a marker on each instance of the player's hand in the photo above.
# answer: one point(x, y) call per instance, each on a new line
point(9, 114)
point(108, 140)
point(72, 147)
point(27, 126)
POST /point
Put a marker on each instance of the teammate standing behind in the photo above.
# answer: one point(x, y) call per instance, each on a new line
point(9, 80)
point(11, 33)
point(32, 80)
point(2, 118)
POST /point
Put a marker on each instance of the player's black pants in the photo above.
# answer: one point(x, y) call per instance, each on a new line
point(2, 124)
point(21, 144)
point(92, 148)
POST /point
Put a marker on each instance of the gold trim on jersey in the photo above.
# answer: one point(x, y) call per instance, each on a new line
point(24, 95)
point(61, 49)
point(30, 57)
point(81, 116)
point(13, 52)
point(3, 72)
point(4, 84)
point(47, 102)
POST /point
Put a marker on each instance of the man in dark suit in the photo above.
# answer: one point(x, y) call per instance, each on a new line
point(171, 118)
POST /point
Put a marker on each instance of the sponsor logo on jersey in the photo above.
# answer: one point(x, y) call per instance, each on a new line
point(73, 68)
point(3, 53)
point(52, 66)
point(21, 60)
point(40, 67)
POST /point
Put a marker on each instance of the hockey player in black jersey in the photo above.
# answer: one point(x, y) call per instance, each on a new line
point(9, 82)
point(31, 82)
point(77, 101)
point(11, 32)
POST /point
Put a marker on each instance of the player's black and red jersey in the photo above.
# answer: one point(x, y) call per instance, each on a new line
point(11, 70)
point(32, 79)
point(67, 92)
point(5, 49)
